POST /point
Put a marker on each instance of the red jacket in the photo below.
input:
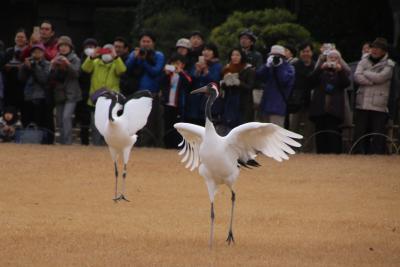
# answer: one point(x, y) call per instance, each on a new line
point(49, 54)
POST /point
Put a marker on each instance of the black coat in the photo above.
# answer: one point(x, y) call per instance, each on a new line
point(328, 96)
point(238, 100)
point(301, 93)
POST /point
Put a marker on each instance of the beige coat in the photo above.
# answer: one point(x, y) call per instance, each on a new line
point(374, 81)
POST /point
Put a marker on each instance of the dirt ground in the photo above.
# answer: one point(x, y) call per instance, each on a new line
point(56, 209)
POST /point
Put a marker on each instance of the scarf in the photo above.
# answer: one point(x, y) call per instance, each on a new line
point(233, 68)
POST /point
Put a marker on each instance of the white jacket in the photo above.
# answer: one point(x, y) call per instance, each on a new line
point(374, 81)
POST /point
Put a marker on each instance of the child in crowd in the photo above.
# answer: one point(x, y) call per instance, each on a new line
point(9, 122)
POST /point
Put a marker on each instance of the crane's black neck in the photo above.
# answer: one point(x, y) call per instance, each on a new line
point(210, 101)
point(113, 103)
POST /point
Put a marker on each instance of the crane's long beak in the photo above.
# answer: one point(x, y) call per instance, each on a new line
point(200, 90)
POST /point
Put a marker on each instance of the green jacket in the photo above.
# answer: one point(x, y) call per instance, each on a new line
point(103, 74)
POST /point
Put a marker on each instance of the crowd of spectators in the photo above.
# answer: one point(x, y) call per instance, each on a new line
point(47, 81)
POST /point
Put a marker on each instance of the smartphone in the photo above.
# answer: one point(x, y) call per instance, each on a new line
point(170, 68)
point(103, 51)
point(201, 59)
point(36, 30)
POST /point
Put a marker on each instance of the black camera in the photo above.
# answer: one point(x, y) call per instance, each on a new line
point(147, 54)
point(276, 61)
point(32, 61)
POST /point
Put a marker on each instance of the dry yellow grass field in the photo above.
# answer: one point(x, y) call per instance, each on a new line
point(56, 209)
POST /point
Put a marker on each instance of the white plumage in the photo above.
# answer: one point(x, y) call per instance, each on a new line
point(118, 120)
point(218, 158)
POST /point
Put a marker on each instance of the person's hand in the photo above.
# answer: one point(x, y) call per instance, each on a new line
point(339, 67)
point(64, 60)
point(95, 53)
point(199, 67)
point(269, 61)
point(178, 69)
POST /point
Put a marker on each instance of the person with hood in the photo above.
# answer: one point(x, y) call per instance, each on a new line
point(106, 69)
point(65, 69)
point(278, 76)
point(183, 47)
point(237, 85)
point(373, 75)
point(327, 103)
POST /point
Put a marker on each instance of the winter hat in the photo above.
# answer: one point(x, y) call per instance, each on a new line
point(183, 42)
point(90, 41)
point(380, 43)
point(65, 40)
point(277, 50)
point(249, 33)
point(37, 46)
point(334, 52)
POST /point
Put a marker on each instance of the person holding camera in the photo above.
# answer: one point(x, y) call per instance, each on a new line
point(327, 103)
point(175, 86)
point(148, 64)
point(206, 70)
point(278, 76)
point(64, 74)
point(324, 49)
point(35, 72)
point(106, 69)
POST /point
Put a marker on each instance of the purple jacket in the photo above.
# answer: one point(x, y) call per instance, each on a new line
point(272, 102)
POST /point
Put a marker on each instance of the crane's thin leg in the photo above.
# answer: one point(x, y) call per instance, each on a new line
point(230, 234)
point(116, 181)
point(212, 225)
point(122, 197)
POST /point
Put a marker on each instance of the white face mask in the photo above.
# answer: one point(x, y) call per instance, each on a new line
point(89, 51)
point(106, 58)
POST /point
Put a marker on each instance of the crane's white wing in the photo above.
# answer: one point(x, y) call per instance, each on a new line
point(101, 113)
point(267, 138)
point(136, 112)
point(192, 138)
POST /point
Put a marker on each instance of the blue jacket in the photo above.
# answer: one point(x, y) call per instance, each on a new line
point(151, 74)
point(272, 102)
point(196, 103)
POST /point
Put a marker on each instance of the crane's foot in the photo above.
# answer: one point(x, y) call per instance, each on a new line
point(230, 238)
point(121, 197)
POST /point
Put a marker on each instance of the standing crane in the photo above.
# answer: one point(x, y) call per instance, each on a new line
point(118, 119)
point(219, 158)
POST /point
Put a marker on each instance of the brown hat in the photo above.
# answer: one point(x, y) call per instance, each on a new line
point(380, 43)
point(66, 40)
